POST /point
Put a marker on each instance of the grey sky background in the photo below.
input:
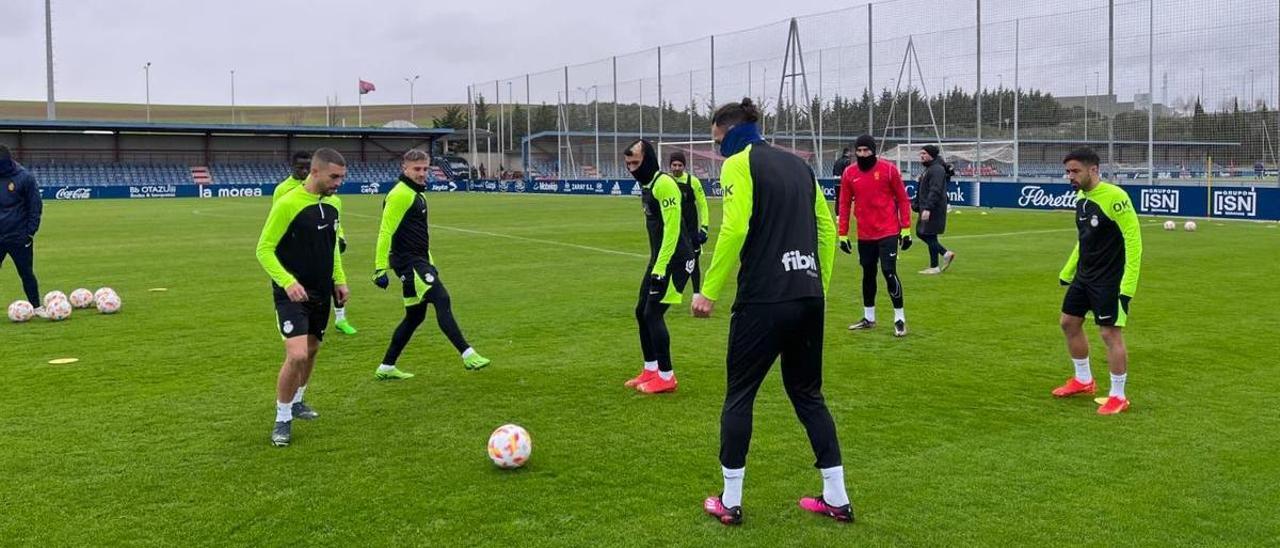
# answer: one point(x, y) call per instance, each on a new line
point(294, 52)
point(288, 52)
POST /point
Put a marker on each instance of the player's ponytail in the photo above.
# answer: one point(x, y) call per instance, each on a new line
point(732, 114)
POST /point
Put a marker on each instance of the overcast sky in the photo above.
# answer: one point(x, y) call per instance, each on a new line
point(288, 52)
point(297, 51)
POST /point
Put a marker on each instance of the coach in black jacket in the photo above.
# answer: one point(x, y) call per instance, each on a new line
point(20, 209)
point(841, 164)
point(931, 202)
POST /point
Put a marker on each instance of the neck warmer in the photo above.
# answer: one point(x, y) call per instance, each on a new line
point(739, 137)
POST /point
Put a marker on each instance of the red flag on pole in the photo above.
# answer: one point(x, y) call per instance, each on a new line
point(366, 87)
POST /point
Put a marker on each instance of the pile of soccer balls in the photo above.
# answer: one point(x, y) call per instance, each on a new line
point(58, 305)
point(1189, 226)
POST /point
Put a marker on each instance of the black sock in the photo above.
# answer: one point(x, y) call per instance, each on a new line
point(413, 317)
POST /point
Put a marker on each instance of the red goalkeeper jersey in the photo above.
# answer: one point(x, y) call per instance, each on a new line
point(879, 199)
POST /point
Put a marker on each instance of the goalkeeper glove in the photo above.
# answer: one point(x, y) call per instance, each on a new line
point(845, 246)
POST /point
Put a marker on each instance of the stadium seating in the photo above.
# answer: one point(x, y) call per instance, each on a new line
point(227, 173)
point(74, 174)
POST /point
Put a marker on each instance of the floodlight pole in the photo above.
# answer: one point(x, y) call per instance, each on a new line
point(51, 111)
point(497, 93)
point(661, 107)
point(1151, 91)
point(233, 96)
point(411, 81)
point(1111, 78)
point(511, 124)
point(528, 124)
point(146, 69)
point(1017, 97)
point(944, 108)
point(641, 102)
point(471, 127)
point(615, 110)
point(871, 91)
point(564, 114)
point(977, 167)
point(595, 88)
point(713, 72)
point(692, 101)
point(821, 109)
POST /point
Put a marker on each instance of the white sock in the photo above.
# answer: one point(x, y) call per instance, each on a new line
point(284, 412)
point(833, 486)
point(1083, 374)
point(899, 315)
point(666, 375)
point(1117, 385)
point(297, 396)
point(339, 314)
point(468, 352)
point(384, 368)
point(869, 313)
point(732, 487)
point(650, 366)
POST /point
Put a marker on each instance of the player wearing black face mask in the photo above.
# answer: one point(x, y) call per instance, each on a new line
point(670, 263)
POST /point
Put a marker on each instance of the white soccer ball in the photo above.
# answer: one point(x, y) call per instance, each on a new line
point(81, 298)
point(102, 291)
point(21, 311)
point(509, 446)
point(109, 303)
point(1170, 225)
point(1190, 226)
point(53, 296)
point(58, 309)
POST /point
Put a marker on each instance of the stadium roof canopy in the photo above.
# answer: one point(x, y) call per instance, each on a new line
point(71, 126)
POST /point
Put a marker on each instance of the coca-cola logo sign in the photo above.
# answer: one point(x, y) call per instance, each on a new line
point(1036, 196)
point(72, 194)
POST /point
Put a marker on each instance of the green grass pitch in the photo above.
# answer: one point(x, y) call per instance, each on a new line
point(159, 435)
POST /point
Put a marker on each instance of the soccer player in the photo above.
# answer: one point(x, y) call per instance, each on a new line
point(693, 208)
point(20, 209)
point(1102, 275)
point(671, 262)
point(874, 189)
point(404, 249)
point(777, 225)
point(301, 167)
point(299, 250)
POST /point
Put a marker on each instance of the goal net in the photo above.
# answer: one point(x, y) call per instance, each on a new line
point(992, 159)
point(704, 157)
point(703, 160)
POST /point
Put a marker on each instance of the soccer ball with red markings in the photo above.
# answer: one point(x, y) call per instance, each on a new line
point(101, 292)
point(509, 446)
point(21, 311)
point(54, 295)
point(109, 303)
point(81, 298)
point(58, 309)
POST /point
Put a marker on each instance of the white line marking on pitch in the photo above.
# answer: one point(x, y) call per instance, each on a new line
point(1001, 234)
point(526, 239)
point(541, 241)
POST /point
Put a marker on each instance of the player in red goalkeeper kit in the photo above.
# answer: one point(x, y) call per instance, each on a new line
point(872, 190)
